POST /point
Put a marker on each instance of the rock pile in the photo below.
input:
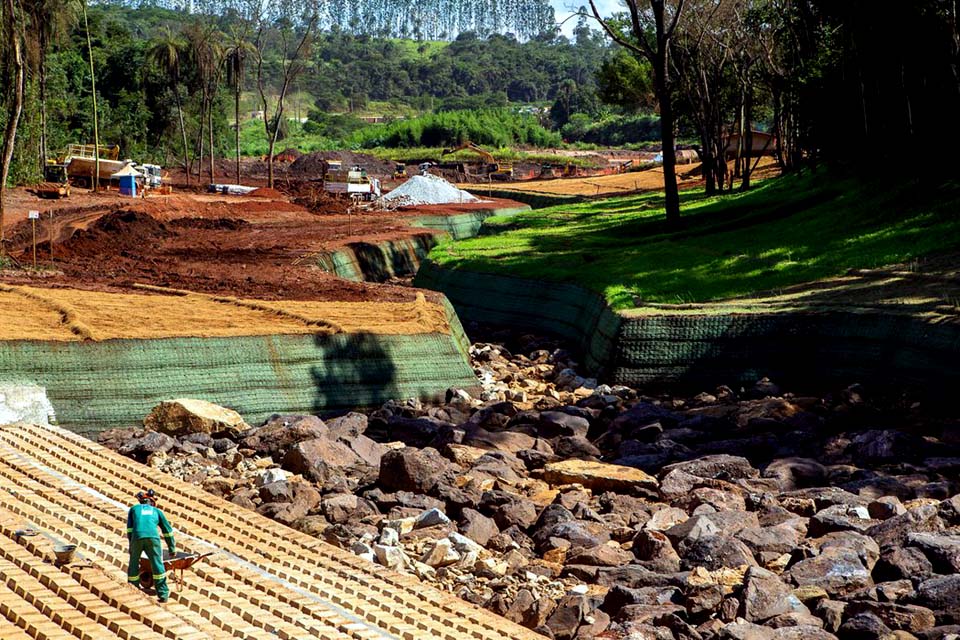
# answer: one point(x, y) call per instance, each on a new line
point(587, 511)
point(428, 189)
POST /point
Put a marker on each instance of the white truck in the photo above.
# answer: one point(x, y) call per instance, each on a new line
point(355, 182)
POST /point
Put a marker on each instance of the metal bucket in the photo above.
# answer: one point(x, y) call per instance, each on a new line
point(64, 553)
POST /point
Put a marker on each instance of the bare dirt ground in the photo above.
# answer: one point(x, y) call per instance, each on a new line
point(239, 246)
point(623, 183)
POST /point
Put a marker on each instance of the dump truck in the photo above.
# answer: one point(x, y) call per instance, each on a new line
point(353, 182)
point(81, 162)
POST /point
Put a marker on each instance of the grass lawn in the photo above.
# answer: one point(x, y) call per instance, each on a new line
point(786, 231)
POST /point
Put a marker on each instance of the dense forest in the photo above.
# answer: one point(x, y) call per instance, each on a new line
point(824, 78)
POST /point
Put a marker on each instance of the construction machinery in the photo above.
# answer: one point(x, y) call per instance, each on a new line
point(495, 170)
point(55, 184)
point(81, 161)
point(353, 182)
point(399, 171)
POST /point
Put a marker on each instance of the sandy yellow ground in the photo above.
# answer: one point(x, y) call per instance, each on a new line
point(30, 313)
point(647, 180)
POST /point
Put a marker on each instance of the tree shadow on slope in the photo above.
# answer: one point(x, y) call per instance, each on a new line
point(352, 370)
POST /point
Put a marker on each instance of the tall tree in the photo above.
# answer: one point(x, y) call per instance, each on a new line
point(238, 48)
point(95, 179)
point(166, 52)
point(13, 37)
point(652, 25)
point(292, 64)
point(50, 20)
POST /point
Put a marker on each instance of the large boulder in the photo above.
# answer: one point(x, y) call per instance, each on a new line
point(598, 476)
point(281, 432)
point(187, 415)
point(319, 453)
point(942, 595)
point(417, 470)
point(765, 596)
point(25, 403)
point(837, 570)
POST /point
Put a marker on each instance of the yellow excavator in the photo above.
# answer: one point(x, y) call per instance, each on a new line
point(496, 170)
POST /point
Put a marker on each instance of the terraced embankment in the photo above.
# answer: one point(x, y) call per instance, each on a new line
point(380, 261)
point(874, 326)
point(106, 359)
point(263, 581)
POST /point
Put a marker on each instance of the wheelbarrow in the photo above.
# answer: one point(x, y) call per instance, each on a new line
point(173, 564)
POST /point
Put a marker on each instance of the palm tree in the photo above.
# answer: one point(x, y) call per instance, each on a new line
point(166, 52)
point(238, 48)
point(50, 22)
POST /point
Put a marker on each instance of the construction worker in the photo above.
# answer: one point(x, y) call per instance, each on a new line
point(145, 522)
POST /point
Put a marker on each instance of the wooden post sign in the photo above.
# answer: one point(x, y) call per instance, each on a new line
point(34, 216)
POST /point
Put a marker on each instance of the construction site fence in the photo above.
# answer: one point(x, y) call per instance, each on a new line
point(115, 383)
point(804, 348)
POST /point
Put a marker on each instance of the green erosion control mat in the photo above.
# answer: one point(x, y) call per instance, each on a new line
point(97, 385)
point(569, 311)
point(806, 347)
point(378, 262)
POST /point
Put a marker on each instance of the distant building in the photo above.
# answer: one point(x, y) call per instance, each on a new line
point(762, 144)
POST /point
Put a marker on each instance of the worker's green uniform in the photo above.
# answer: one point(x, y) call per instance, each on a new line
point(143, 522)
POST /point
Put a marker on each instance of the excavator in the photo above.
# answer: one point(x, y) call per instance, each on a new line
point(496, 170)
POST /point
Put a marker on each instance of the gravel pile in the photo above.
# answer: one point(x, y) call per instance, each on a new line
point(421, 190)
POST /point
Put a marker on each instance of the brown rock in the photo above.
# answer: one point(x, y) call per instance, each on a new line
point(598, 476)
point(187, 415)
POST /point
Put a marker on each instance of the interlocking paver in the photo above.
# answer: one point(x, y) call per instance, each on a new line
point(265, 580)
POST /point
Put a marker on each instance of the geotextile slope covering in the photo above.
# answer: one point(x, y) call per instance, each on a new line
point(31, 313)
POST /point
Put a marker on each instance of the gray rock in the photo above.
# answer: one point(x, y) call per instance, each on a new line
point(557, 423)
point(894, 531)
point(796, 473)
point(714, 552)
point(477, 526)
point(718, 466)
point(838, 571)
point(150, 442)
point(942, 595)
point(943, 551)
point(766, 596)
point(865, 626)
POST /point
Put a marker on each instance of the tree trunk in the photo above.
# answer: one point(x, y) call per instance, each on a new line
point(199, 147)
point(43, 103)
point(671, 192)
point(183, 134)
point(95, 179)
point(213, 171)
point(16, 108)
point(236, 110)
point(747, 137)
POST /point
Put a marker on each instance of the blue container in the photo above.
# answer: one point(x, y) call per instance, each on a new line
point(128, 186)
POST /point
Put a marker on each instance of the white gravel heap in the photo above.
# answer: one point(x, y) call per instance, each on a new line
point(428, 189)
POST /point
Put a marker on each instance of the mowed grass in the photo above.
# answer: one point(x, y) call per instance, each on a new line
point(786, 231)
